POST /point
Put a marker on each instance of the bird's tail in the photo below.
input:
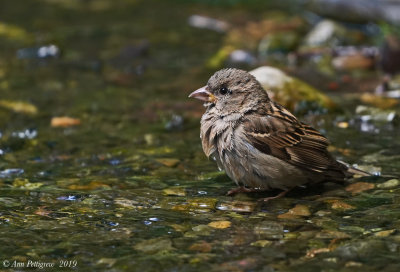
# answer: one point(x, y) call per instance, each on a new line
point(355, 171)
point(351, 171)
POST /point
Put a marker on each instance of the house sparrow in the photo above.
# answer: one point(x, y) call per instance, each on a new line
point(259, 143)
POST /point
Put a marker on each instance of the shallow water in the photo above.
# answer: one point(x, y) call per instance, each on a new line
point(129, 189)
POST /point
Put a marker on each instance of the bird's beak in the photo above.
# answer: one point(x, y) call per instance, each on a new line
point(204, 95)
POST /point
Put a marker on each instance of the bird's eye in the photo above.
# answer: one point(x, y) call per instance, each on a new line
point(224, 91)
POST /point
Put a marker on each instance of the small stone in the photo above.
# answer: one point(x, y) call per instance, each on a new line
point(275, 46)
point(363, 249)
point(10, 172)
point(331, 260)
point(298, 210)
point(342, 124)
point(396, 238)
point(179, 228)
point(392, 183)
point(107, 261)
point(42, 211)
point(169, 162)
point(175, 124)
point(351, 62)
point(199, 205)
point(269, 230)
point(352, 229)
point(204, 230)
point(25, 184)
point(126, 203)
point(241, 56)
point(155, 245)
point(237, 206)
point(353, 264)
point(340, 205)
point(93, 185)
point(367, 114)
point(384, 233)
point(379, 101)
point(321, 33)
point(291, 235)
point(220, 224)
point(9, 202)
point(322, 213)
point(332, 234)
point(246, 264)
point(149, 139)
point(19, 106)
point(393, 94)
point(359, 187)
point(261, 243)
point(287, 216)
point(306, 235)
point(201, 246)
point(204, 22)
point(174, 192)
point(312, 252)
point(64, 121)
point(200, 258)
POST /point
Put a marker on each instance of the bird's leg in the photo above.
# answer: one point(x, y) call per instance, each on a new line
point(281, 194)
point(241, 189)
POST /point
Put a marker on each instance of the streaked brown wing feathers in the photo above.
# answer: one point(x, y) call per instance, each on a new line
point(283, 136)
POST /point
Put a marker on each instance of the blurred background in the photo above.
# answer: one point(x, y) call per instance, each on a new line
point(100, 156)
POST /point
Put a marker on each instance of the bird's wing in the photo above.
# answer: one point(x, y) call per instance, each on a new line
point(278, 133)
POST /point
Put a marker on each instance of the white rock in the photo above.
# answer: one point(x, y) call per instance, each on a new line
point(270, 77)
point(321, 33)
point(200, 21)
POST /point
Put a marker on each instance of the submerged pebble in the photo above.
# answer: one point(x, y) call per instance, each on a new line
point(69, 198)
point(199, 205)
point(384, 233)
point(9, 202)
point(201, 246)
point(64, 121)
point(298, 211)
point(269, 230)
point(261, 243)
point(237, 206)
point(126, 203)
point(340, 205)
point(392, 183)
point(375, 114)
point(359, 187)
point(220, 224)
point(19, 106)
point(26, 184)
point(169, 162)
point(6, 173)
point(200, 21)
point(42, 52)
point(200, 230)
point(175, 123)
point(354, 250)
point(174, 191)
point(155, 245)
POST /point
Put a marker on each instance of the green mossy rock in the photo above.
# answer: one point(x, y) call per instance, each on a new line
point(291, 92)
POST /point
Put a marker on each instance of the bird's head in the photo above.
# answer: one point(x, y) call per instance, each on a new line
point(231, 90)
